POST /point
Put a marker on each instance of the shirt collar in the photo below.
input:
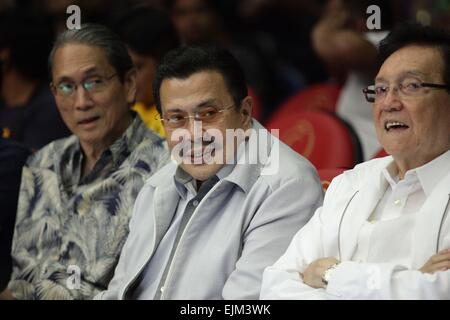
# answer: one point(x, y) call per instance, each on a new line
point(120, 149)
point(184, 182)
point(245, 174)
point(428, 175)
point(389, 175)
point(432, 172)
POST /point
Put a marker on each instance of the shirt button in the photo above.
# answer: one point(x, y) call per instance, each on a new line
point(373, 221)
point(161, 289)
point(397, 202)
point(195, 203)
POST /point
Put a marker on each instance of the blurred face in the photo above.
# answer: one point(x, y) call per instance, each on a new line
point(413, 128)
point(146, 68)
point(194, 20)
point(97, 110)
point(198, 94)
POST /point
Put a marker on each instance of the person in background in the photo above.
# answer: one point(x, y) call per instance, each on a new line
point(28, 113)
point(348, 48)
point(384, 229)
point(149, 34)
point(12, 158)
point(217, 23)
point(77, 193)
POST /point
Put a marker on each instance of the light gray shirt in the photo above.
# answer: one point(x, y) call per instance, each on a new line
point(243, 224)
point(154, 271)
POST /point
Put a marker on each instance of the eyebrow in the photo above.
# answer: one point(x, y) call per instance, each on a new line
point(403, 75)
point(89, 72)
point(202, 104)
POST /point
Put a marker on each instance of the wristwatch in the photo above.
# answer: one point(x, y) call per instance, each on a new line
point(329, 272)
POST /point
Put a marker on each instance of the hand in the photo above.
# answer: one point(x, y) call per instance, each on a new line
point(312, 276)
point(438, 262)
point(336, 16)
point(6, 295)
point(333, 6)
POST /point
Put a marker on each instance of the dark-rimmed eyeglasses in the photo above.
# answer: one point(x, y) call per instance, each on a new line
point(92, 84)
point(377, 93)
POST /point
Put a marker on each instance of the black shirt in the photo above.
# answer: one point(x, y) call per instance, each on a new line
point(12, 158)
point(34, 124)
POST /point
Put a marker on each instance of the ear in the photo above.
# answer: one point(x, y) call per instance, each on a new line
point(130, 85)
point(246, 112)
point(52, 89)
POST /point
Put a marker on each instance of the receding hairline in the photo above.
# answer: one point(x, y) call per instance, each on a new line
point(74, 42)
point(96, 35)
point(77, 43)
point(415, 72)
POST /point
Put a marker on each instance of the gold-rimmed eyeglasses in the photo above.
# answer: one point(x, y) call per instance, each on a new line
point(207, 115)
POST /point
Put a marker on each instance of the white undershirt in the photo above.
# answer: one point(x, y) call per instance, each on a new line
point(396, 213)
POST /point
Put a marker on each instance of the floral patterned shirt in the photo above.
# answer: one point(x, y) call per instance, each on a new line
point(70, 229)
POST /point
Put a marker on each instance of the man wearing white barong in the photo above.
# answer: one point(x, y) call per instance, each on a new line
point(384, 229)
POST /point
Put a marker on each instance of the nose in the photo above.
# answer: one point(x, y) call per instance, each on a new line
point(195, 129)
point(392, 100)
point(82, 100)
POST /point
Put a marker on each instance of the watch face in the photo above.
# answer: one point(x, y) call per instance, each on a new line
point(328, 273)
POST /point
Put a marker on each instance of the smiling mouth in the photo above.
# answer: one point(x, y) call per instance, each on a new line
point(199, 153)
point(88, 120)
point(395, 125)
point(200, 156)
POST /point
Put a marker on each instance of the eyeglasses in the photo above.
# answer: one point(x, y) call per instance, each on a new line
point(207, 115)
point(91, 85)
point(408, 88)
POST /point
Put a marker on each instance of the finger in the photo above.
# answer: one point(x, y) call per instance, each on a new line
point(437, 258)
point(442, 266)
point(444, 251)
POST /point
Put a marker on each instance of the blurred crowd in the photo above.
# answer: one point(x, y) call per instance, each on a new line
point(272, 40)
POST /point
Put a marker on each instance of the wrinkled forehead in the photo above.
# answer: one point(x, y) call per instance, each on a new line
point(423, 62)
point(75, 60)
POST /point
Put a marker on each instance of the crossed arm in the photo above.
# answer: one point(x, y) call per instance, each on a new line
point(298, 274)
point(313, 274)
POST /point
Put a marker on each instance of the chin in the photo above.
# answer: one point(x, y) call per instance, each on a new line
point(88, 139)
point(201, 172)
point(397, 150)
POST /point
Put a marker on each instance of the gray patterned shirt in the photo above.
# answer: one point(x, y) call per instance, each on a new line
point(70, 229)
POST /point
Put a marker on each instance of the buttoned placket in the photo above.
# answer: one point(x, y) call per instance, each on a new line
point(189, 212)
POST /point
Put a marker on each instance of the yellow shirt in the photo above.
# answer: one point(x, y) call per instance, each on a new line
point(150, 117)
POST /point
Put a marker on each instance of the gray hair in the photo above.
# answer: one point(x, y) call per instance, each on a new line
point(97, 36)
